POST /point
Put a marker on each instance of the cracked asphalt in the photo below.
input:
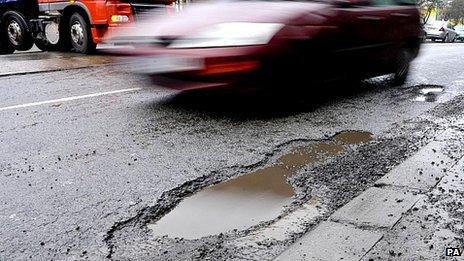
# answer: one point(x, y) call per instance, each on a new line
point(90, 155)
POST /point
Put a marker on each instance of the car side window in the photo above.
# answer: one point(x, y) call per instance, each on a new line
point(382, 2)
point(405, 2)
point(393, 2)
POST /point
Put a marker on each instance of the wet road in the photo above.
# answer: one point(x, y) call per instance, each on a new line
point(91, 155)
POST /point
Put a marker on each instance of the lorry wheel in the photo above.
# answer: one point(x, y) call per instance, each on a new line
point(5, 47)
point(80, 34)
point(17, 31)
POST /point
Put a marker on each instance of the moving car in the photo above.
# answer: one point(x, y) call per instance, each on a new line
point(440, 30)
point(276, 43)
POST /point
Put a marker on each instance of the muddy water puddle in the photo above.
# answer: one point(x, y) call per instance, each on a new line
point(243, 202)
point(429, 93)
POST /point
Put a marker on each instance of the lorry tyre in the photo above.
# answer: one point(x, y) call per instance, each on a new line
point(16, 31)
point(5, 47)
point(80, 34)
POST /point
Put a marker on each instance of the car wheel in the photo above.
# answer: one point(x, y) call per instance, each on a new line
point(402, 67)
point(433, 39)
point(446, 39)
point(16, 31)
point(80, 34)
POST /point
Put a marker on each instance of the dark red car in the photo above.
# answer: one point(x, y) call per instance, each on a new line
point(270, 43)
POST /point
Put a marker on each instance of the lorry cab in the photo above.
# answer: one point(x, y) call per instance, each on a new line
point(67, 25)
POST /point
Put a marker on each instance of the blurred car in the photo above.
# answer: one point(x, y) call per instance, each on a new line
point(460, 31)
point(440, 30)
point(423, 33)
point(276, 43)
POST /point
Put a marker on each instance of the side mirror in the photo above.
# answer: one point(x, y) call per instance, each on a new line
point(351, 3)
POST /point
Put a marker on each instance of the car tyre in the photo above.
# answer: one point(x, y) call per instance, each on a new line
point(80, 34)
point(402, 67)
point(15, 30)
point(446, 39)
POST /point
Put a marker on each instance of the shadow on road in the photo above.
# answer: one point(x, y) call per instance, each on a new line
point(269, 104)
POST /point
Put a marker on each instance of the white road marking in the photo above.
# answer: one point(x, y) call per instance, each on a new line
point(67, 99)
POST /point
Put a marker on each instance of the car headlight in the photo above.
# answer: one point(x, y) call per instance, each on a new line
point(229, 34)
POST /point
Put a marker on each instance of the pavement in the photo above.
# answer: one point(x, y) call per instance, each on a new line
point(92, 155)
point(404, 214)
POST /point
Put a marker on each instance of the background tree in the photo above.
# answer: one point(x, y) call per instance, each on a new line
point(455, 11)
point(428, 6)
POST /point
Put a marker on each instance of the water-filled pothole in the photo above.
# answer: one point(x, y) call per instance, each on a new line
point(243, 202)
point(429, 93)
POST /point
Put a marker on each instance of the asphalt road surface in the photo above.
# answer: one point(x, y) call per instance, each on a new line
point(92, 158)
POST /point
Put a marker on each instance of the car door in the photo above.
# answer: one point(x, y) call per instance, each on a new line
point(452, 32)
point(367, 29)
point(405, 20)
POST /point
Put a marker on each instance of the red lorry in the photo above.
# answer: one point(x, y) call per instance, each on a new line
point(77, 25)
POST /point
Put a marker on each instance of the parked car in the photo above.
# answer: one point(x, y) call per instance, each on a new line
point(440, 30)
point(276, 43)
point(460, 31)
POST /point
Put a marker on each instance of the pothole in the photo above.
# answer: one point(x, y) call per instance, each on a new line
point(429, 93)
point(250, 199)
